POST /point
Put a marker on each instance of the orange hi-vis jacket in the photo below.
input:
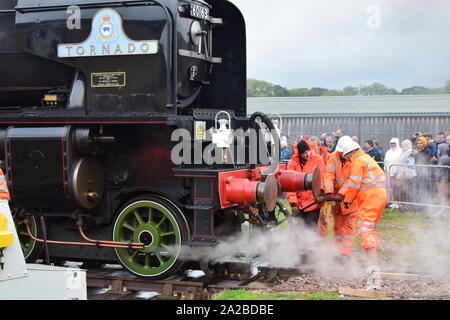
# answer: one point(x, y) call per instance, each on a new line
point(324, 153)
point(4, 193)
point(334, 176)
point(365, 173)
point(366, 187)
point(304, 198)
point(320, 150)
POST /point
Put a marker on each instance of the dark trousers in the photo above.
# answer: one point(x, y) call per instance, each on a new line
point(311, 218)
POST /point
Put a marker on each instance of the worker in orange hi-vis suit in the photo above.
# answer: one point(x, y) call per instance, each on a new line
point(323, 220)
point(337, 171)
point(365, 189)
point(303, 204)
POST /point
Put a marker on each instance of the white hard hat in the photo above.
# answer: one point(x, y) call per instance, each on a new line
point(346, 145)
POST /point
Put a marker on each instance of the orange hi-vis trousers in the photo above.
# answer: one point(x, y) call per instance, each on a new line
point(371, 206)
point(344, 229)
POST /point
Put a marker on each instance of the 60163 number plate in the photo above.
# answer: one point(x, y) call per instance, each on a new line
point(200, 12)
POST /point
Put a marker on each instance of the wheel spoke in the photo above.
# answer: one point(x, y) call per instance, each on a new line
point(167, 234)
point(130, 227)
point(150, 215)
point(24, 233)
point(138, 217)
point(160, 259)
point(133, 255)
point(147, 260)
point(160, 222)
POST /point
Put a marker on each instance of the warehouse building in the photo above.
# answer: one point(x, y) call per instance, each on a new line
point(368, 117)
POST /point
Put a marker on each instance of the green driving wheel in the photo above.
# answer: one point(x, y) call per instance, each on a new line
point(153, 223)
point(30, 247)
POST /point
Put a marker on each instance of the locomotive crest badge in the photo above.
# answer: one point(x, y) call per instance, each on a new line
point(107, 38)
point(106, 29)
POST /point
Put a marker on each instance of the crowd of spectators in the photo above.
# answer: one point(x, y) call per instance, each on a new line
point(418, 168)
point(430, 176)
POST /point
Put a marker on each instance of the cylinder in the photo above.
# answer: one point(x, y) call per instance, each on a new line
point(241, 191)
point(292, 181)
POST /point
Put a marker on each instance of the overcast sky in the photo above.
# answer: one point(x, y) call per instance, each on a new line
point(336, 43)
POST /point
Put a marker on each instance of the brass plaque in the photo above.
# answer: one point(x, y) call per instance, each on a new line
point(108, 79)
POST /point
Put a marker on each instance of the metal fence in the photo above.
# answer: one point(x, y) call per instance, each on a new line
point(419, 186)
point(381, 128)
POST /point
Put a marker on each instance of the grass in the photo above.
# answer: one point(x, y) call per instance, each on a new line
point(412, 235)
point(241, 294)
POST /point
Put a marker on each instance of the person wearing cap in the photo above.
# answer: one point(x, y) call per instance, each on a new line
point(365, 190)
point(422, 184)
point(434, 151)
point(430, 141)
point(337, 171)
point(305, 160)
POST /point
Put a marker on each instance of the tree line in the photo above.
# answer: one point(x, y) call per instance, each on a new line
point(259, 88)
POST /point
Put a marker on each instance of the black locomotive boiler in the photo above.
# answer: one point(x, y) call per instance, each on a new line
point(92, 93)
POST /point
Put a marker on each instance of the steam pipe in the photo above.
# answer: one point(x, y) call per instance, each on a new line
point(276, 139)
point(283, 209)
point(44, 233)
point(85, 237)
point(89, 244)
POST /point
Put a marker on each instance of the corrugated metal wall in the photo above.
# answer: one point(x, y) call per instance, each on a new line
point(381, 128)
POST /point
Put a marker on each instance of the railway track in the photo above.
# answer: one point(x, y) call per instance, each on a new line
point(190, 284)
point(113, 283)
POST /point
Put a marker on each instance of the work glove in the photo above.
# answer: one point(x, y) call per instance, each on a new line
point(328, 197)
point(320, 198)
point(338, 197)
point(294, 210)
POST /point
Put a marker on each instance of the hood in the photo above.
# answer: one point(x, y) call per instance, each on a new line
point(406, 145)
point(312, 145)
point(395, 140)
point(443, 148)
point(424, 142)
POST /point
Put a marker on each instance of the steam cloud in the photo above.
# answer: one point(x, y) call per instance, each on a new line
point(427, 252)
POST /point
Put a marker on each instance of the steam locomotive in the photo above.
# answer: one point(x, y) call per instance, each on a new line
point(93, 97)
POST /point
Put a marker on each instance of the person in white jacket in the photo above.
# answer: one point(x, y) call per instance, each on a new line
point(406, 174)
point(392, 157)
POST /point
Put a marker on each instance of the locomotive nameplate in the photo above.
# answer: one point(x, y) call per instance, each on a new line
point(108, 79)
point(107, 38)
